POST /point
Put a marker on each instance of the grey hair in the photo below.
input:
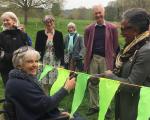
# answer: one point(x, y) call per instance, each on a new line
point(19, 55)
point(48, 17)
point(12, 16)
point(99, 6)
point(71, 24)
point(138, 18)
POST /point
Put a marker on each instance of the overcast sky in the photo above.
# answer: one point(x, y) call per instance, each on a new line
point(69, 4)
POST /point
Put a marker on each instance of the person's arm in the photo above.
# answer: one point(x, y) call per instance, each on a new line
point(86, 36)
point(82, 46)
point(140, 69)
point(4, 55)
point(29, 40)
point(65, 44)
point(116, 46)
point(62, 48)
point(34, 99)
point(38, 44)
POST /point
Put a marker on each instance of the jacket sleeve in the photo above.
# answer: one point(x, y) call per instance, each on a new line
point(140, 69)
point(4, 55)
point(62, 48)
point(86, 36)
point(38, 44)
point(65, 43)
point(82, 46)
point(116, 46)
point(32, 98)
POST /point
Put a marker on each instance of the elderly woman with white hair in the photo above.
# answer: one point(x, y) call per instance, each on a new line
point(11, 38)
point(49, 43)
point(25, 94)
point(74, 49)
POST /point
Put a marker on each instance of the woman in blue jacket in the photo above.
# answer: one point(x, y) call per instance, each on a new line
point(24, 92)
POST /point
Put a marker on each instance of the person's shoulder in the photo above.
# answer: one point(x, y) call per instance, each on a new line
point(66, 36)
point(79, 36)
point(146, 47)
point(1, 33)
point(58, 32)
point(90, 26)
point(111, 25)
point(14, 83)
point(40, 31)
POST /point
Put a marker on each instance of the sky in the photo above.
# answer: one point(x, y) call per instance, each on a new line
point(70, 4)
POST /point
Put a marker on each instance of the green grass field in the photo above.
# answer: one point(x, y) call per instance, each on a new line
point(61, 24)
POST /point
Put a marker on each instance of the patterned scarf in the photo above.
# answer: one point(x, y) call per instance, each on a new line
point(130, 50)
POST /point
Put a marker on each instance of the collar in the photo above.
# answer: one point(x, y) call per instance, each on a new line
point(53, 32)
point(104, 24)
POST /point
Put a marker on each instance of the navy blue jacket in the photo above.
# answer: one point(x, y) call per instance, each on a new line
point(10, 40)
point(28, 98)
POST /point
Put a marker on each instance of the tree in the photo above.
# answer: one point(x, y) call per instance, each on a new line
point(26, 5)
point(56, 9)
point(117, 7)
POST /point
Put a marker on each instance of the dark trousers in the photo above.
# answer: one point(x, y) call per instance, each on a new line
point(4, 76)
point(74, 65)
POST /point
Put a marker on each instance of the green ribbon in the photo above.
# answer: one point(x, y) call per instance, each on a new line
point(80, 88)
point(63, 74)
point(46, 69)
point(144, 104)
point(107, 90)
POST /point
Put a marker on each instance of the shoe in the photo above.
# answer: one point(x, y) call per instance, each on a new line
point(92, 111)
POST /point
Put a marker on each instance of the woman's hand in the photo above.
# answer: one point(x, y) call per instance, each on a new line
point(107, 73)
point(70, 84)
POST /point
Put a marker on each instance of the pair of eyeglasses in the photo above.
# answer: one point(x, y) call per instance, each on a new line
point(23, 49)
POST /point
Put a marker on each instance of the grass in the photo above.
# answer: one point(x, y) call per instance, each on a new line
point(36, 24)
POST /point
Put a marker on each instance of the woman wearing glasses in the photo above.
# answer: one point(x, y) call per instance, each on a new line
point(49, 43)
point(11, 39)
point(132, 63)
point(24, 92)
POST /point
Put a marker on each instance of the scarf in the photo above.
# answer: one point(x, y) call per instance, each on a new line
point(129, 51)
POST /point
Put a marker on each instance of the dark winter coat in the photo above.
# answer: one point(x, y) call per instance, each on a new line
point(10, 40)
point(29, 100)
point(40, 44)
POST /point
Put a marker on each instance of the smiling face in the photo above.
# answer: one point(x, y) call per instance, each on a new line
point(30, 65)
point(9, 22)
point(99, 14)
point(128, 31)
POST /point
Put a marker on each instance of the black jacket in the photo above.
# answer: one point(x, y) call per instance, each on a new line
point(28, 98)
point(40, 44)
point(10, 40)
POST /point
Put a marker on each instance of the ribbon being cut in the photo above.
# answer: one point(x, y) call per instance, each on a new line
point(107, 90)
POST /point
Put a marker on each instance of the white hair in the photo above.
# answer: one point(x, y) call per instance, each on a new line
point(23, 53)
point(99, 6)
point(47, 18)
point(12, 16)
point(71, 24)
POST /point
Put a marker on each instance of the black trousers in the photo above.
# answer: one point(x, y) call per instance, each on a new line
point(4, 76)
